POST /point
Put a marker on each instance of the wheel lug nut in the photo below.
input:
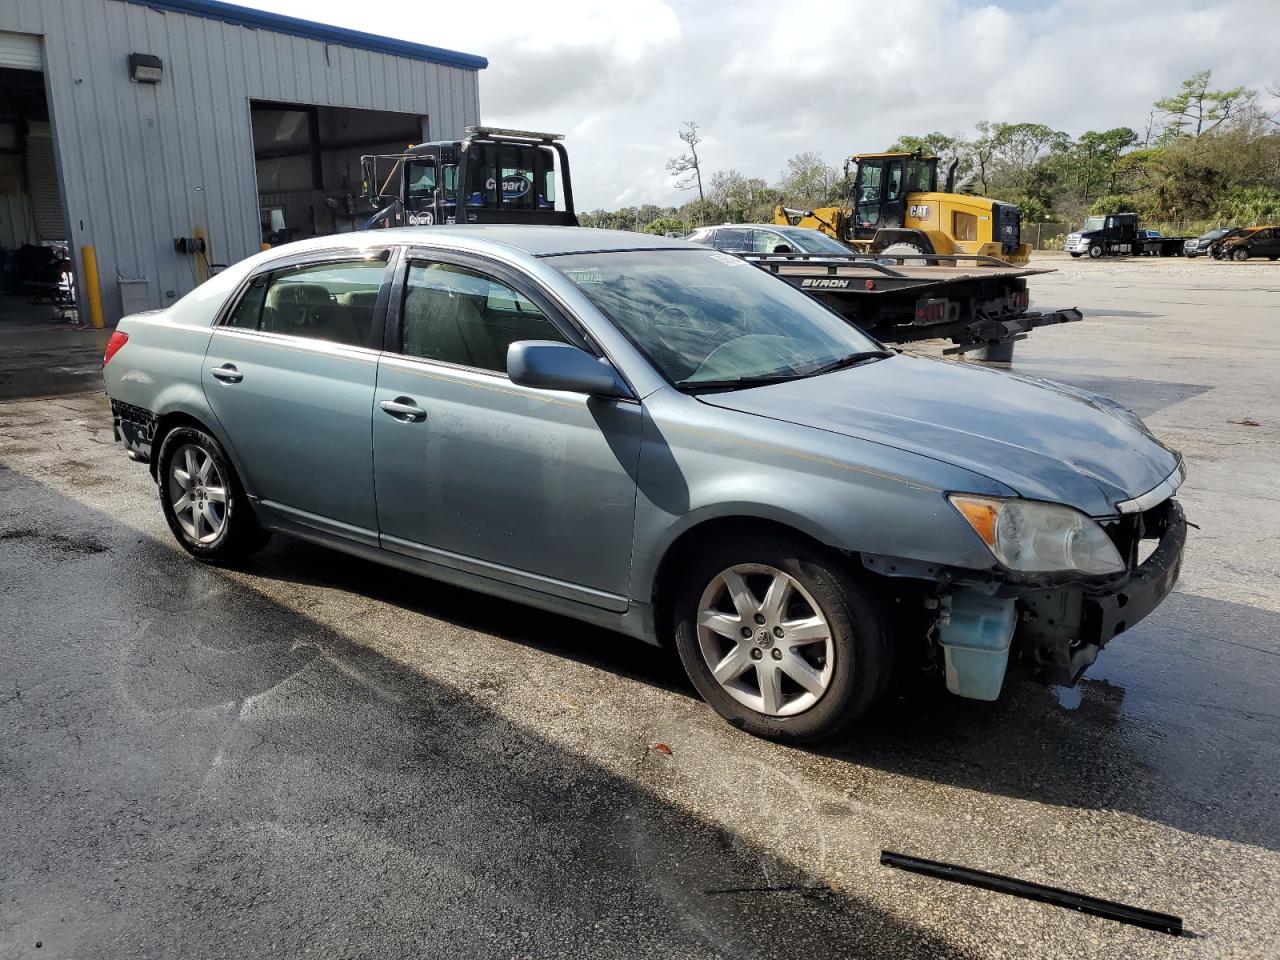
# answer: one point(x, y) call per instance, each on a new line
point(777, 631)
point(759, 618)
point(777, 653)
point(746, 633)
point(756, 653)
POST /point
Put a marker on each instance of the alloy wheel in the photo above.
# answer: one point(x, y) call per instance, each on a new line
point(198, 493)
point(765, 639)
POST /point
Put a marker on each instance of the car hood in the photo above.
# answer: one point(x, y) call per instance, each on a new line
point(1044, 440)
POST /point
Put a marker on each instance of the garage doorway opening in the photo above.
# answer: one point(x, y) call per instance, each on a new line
point(308, 164)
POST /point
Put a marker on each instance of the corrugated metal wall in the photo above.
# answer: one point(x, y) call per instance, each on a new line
point(142, 164)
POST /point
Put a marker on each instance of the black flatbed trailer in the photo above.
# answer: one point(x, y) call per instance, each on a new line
point(982, 306)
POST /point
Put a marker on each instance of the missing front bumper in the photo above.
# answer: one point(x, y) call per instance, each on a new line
point(1062, 630)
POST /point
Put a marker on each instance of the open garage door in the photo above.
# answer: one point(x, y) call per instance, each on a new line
point(42, 183)
point(308, 164)
point(20, 51)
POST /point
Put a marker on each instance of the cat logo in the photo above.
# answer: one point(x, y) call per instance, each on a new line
point(813, 283)
point(918, 210)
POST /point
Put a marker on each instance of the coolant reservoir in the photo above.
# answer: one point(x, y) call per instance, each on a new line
point(976, 643)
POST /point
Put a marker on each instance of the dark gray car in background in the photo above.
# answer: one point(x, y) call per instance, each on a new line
point(659, 438)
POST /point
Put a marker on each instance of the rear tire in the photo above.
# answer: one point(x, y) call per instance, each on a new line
point(203, 501)
point(817, 654)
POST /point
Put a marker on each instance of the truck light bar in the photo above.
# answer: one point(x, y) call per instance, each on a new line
point(522, 134)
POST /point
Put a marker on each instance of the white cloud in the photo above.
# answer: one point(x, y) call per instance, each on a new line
point(766, 80)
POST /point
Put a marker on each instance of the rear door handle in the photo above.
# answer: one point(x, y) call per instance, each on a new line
point(403, 408)
point(227, 373)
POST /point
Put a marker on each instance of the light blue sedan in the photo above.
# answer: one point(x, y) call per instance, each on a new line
point(659, 438)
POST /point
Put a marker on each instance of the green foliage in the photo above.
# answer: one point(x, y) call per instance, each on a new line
point(1196, 110)
point(808, 182)
point(1249, 206)
point(664, 225)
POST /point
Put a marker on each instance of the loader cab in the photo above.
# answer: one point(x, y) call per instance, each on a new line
point(881, 184)
point(492, 176)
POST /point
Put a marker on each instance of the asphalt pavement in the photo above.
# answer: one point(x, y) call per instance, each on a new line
point(315, 755)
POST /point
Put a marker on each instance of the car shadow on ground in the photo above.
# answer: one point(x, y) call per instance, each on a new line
point(1167, 713)
point(198, 769)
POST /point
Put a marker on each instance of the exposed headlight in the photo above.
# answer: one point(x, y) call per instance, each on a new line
point(1033, 537)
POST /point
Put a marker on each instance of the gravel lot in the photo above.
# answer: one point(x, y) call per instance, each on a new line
point(318, 755)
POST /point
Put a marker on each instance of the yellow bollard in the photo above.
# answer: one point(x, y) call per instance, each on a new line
point(92, 293)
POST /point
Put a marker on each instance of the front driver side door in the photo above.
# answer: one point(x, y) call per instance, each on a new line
point(532, 487)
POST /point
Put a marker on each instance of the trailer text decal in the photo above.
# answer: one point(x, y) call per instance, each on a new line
point(824, 284)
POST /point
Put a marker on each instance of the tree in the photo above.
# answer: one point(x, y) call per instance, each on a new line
point(1094, 157)
point(946, 148)
point(809, 182)
point(687, 165)
point(1197, 110)
point(738, 198)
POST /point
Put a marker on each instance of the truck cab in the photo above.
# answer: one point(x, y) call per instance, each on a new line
point(1112, 233)
point(490, 176)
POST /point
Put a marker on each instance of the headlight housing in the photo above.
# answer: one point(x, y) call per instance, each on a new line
point(1034, 537)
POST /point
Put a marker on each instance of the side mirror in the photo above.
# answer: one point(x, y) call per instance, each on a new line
point(561, 366)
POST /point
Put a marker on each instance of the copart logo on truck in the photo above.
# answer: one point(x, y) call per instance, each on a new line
point(512, 186)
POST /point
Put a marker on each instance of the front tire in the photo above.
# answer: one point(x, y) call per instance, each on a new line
point(1095, 251)
point(203, 501)
point(815, 655)
point(1240, 254)
point(1075, 256)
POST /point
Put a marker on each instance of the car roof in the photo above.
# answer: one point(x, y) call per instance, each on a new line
point(539, 240)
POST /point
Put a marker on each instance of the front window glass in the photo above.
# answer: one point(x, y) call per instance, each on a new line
point(1095, 223)
point(421, 176)
point(705, 317)
point(457, 315)
point(869, 183)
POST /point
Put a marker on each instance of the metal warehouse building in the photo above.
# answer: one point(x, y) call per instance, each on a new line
point(172, 136)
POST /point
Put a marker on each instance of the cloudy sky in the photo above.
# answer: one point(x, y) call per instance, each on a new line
point(768, 79)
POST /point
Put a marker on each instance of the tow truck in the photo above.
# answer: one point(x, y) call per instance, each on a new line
point(1120, 235)
point(980, 303)
point(492, 175)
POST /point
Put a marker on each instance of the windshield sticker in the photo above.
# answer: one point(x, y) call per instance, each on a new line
point(730, 259)
point(586, 275)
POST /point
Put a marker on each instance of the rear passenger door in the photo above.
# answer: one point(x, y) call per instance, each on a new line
point(290, 373)
point(531, 487)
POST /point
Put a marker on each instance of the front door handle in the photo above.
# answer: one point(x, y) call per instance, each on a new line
point(403, 408)
point(227, 373)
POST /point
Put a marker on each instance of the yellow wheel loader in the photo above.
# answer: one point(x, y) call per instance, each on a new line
point(896, 208)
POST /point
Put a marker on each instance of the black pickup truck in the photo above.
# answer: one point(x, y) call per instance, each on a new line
point(1120, 234)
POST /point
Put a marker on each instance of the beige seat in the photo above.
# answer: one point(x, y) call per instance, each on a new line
point(359, 305)
point(308, 310)
point(442, 324)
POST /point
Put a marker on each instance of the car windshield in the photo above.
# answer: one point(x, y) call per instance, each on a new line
point(813, 241)
point(708, 319)
point(1094, 223)
point(1214, 234)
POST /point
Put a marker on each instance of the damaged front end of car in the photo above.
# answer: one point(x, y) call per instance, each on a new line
point(1052, 623)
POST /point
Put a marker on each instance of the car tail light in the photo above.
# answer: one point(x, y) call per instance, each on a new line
point(118, 339)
